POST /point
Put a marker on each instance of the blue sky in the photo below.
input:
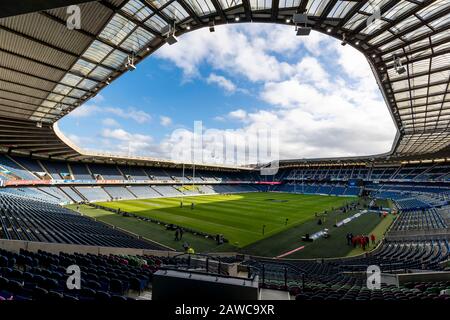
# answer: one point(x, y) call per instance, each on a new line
point(320, 97)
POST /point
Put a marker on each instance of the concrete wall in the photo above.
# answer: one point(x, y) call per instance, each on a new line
point(16, 245)
point(423, 277)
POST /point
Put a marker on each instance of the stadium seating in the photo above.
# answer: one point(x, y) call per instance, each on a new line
point(105, 172)
point(42, 276)
point(31, 165)
point(57, 170)
point(143, 192)
point(14, 170)
point(134, 173)
point(93, 193)
point(167, 191)
point(31, 220)
point(419, 220)
point(119, 193)
point(75, 197)
point(80, 171)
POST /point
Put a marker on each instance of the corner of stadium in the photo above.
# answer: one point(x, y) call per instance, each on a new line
point(79, 226)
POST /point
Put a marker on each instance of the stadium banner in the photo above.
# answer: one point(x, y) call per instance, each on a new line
point(271, 183)
point(56, 182)
point(27, 182)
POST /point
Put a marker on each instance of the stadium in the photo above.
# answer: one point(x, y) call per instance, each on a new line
point(89, 226)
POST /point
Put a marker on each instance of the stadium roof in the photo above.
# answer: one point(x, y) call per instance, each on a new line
point(47, 70)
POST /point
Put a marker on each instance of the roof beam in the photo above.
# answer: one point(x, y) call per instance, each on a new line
point(9, 8)
point(330, 5)
point(351, 13)
point(274, 11)
point(363, 24)
point(191, 12)
point(84, 32)
point(138, 23)
point(247, 10)
point(45, 79)
point(410, 29)
point(48, 45)
point(18, 113)
point(219, 10)
point(400, 18)
point(158, 11)
point(302, 6)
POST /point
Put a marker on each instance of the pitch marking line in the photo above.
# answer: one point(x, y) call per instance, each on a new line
point(289, 252)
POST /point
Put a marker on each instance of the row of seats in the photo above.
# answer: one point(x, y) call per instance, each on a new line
point(330, 189)
point(30, 220)
point(425, 219)
point(42, 275)
point(21, 168)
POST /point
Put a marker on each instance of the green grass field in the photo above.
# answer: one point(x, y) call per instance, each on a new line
point(239, 217)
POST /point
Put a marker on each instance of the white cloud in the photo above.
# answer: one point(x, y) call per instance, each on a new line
point(222, 82)
point(122, 141)
point(139, 116)
point(231, 49)
point(324, 102)
point(238, 114)
point(85, 110)
point(89, 110)
point(165, 121)
point(110, 122)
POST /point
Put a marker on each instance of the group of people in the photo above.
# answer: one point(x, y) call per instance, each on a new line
point(187, 248)
point(219, 239)
point(178, 234)
point(362, 241)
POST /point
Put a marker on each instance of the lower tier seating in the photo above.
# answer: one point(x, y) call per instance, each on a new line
point(31, 220)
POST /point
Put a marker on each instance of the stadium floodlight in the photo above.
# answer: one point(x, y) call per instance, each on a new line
point(399, 68)
point(303, 31)
point(171, 39)
point(301, 18)
point(344, 41)
point(130, 63)
point(211, 27)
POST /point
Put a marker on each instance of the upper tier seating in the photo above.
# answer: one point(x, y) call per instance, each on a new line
point(80, 171)
point(57, 170)
point(157, 174)
point(31, 220)
point(16, 170)
point(30, 164)
point(106, 172)
point(134, 173)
